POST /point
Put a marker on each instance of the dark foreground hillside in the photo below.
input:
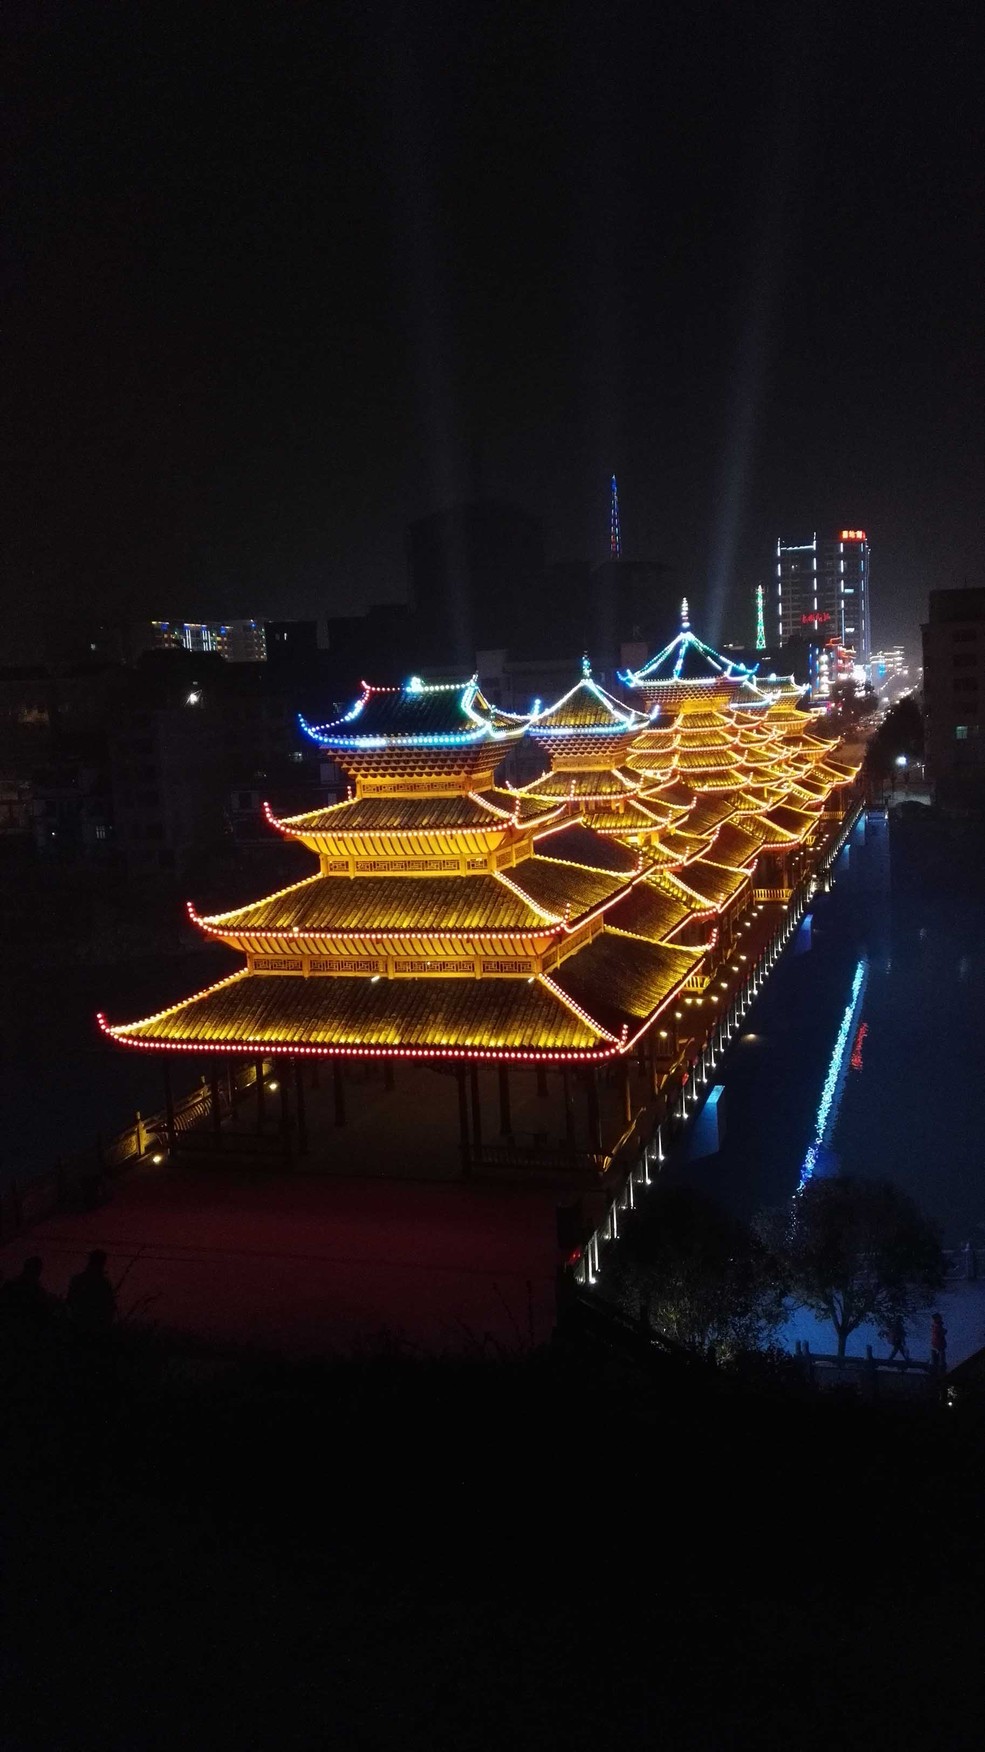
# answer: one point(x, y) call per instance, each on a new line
point(554, 1548)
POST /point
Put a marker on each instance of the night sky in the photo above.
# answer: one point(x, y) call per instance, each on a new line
point(281, 277)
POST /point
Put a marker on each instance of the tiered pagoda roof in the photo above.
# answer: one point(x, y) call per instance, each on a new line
point(688, 670)
point(451, 916)
point(444, 920)
point(587, 734)
point(390, 737)
point(587, 727)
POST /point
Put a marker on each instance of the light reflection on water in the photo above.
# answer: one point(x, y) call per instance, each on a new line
point(912, 1114)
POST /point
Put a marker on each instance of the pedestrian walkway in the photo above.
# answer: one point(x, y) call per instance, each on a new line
point(962, 1305)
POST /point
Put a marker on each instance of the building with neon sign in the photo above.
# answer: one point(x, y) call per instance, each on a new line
point(821, 590)
point(572, 935)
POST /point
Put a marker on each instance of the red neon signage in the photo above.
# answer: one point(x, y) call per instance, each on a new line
point(815, 619)
point(852, 535)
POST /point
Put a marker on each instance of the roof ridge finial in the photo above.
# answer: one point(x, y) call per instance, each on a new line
point(586, 667)
point(685, 622)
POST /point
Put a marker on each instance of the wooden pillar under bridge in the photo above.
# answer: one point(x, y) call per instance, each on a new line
point(214, 1108)
point(569, 1112)
point(463, 1119)
point(170, 1127)
point(299, 1104)
point(541, 1082)
point(231, 1087)
point(625, 1090)
point(261, 1093)
point(505, 1123)
point(594, 1116)
point(283, 1069)
point(476, 1111)
point(388, 1074)
point(338, 1090)
point(652, 1063)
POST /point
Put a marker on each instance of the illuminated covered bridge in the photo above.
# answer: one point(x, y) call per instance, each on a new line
point(556, 951)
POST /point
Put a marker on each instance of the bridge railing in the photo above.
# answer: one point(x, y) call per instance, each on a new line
point(79, 1178)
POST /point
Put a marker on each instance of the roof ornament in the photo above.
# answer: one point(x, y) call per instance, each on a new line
point(586, 667)
point(685, 622)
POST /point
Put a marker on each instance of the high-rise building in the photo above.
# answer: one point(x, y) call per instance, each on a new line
point(239, 641)
point(822, 589)
point(954, 696)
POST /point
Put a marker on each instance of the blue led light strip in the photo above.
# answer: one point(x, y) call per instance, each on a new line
point(834, 1082)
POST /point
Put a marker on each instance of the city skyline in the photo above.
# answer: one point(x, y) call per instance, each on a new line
point(250, 344)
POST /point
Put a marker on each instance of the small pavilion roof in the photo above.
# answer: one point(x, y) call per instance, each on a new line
point(710, 809)
point(710, 882)
point(417, 715)
point(631, 816)
point(736, 846)
point(620, 981)
point(688, 659)
point(582, 783)
point(649, 913)
point(579, 844)
point(586, 707)
point(789, 824)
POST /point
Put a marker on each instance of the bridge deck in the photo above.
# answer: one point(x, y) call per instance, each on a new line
point(306, 1263)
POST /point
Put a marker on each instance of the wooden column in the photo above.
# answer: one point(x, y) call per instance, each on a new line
point(505, 1123)
point(261, 1093)
point(299, 1104)
point(388, 1074)
point(569, 1112)
point(476, 1111)
point(541, 1082)
point(625, 1090)
point(214, 1107)
point(283, 1072)
point(463, 1119)
point(338, 1089)
point(169, 1124)
point(594, 1116)
point(231, 1087)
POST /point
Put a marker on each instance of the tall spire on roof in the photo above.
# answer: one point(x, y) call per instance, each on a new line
point(685, 622)
point(615, 533)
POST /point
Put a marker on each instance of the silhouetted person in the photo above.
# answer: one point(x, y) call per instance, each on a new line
point(24, 1297)
point(91, 1297)
point(938, 1342)
point(895, 1336)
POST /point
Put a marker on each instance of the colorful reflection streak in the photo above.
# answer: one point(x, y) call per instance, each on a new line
point(834, 1082)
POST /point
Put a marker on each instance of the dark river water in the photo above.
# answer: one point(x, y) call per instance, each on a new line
point(900, 1071)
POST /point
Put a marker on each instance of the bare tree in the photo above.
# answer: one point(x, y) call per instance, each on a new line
point(857, 1250)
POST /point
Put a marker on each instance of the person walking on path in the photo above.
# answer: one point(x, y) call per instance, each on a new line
point(895, 1336)
point(91, 1297)
point(938, 1341)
